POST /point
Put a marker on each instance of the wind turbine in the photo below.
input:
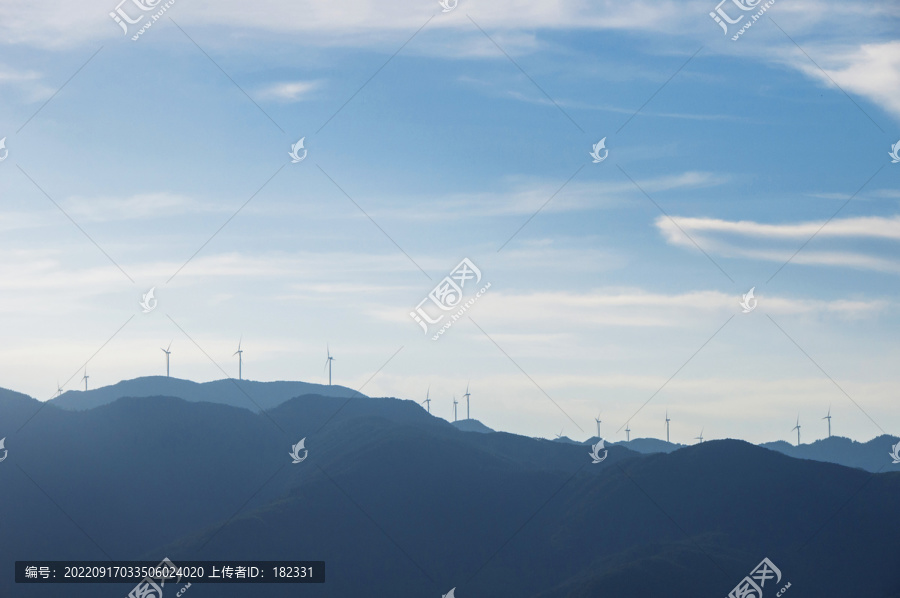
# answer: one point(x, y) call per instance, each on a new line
point(454, 407)
point(240, 355)
point(667, 425)
point(797, 427)
point(828, 417)
point(597, 419)
point(627, 432)
point(700, 438)
point(167, 352)
point(328, 361)
point(467, 395)
point(85, 378)
point(427, 400)
point(58, 388)
point(559, 436)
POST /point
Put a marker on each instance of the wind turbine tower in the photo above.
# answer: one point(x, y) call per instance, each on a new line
point(58, 389)
point(454, 407)
point(627, 432)
point(700, 438)
point(328, 361)
point(467, 395)
point(828, 417)
point(667, 425)
point(427, 400)
point(797, 427)
point(167, 352)
point(85, 378)
point(240, 354)
point(597, 419)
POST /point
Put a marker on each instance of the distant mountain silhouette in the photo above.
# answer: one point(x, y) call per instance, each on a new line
point(471, 425)
point(650, 445)
point(401, 503)
point(871, 456)
point(248, 394)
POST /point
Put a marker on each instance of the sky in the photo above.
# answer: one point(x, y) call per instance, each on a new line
point(161, 160)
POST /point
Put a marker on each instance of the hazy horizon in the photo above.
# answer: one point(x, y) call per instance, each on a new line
point(496, 426)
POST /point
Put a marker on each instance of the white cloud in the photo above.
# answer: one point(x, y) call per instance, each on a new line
point(288, 91)
point(359, 21)
point(871, 70)
point(869, 227)
point(741, 238)
point(369, 22)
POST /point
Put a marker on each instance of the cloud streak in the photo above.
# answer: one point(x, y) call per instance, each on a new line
point(779, 242)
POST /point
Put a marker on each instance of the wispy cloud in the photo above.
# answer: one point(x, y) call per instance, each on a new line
point(141, 206)
point(524, 196)
point(569, 312)
point(28, 83)
point(289, 91)
point(497, 88)
point(871, 227)
point(742, 238)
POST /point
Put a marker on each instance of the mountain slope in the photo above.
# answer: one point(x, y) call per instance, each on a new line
point(871, 456)
point(398, 502)
point(421, 517)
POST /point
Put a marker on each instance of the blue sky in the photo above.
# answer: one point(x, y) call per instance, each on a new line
point(744, 150)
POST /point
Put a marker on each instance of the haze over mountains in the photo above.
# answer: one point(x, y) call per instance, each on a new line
point(401, 503)
point(253, 395)
point(248, 394)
